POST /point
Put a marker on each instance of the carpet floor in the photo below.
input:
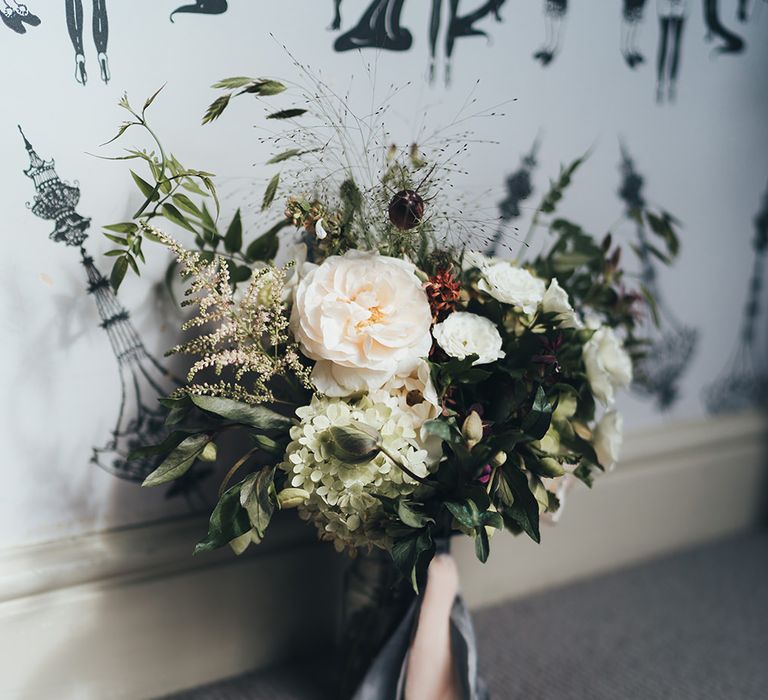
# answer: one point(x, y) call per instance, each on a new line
point(692, 626)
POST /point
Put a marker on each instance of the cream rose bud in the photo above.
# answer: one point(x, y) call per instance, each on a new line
point(608, 365)
point(364, 318)
point(463, 334)
point(512, 285)
point(555, 301)
point(608, 439)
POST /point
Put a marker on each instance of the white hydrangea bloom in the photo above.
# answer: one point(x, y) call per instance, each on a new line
point(342, 499)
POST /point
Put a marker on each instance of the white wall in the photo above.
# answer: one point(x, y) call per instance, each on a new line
point(704, 158)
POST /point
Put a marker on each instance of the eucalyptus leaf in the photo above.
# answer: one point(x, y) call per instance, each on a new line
point(240, 412)
point(178, 462)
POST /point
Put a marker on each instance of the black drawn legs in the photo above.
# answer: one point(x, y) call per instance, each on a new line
point(458, 26)
point(671, 23)
point(379, 27)
point(732, 43)
point(336, 23)
point(631, 17)
point(74, 12)
point(554, 16)
point(464, 26)
point(101, 36)
point(16, 16)
point(434, 33)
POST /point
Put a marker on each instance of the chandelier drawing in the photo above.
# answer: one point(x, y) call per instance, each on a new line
point(744, 380)
point(140, 419)
point(672, 344)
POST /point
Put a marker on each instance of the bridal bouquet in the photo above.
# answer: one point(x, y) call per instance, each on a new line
point(396, 381)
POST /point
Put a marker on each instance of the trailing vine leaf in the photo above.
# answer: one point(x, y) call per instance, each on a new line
point(125, 227)
point(269, 193)
point(233, 239)
point(287, 113)
point(118, 273)
point(150, 192)
point(216, 108)
point(175, 216)
point(151, 99)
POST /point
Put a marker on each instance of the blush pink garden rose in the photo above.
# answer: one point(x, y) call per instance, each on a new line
point(364, 318)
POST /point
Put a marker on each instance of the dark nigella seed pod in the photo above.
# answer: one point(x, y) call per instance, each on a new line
point(406, 209)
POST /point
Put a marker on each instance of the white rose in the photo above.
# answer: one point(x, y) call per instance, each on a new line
point(463, 334)
point(608, 439)
point(556, 301)
point(512, 285)
point(608, 365)
point(364, 317)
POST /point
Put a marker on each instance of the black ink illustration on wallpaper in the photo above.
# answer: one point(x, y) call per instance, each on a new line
point(380, 27)
point(658, 374)
point(140, 419)
point(17, 16)
point(519, 187)
point(744, 381)
point(202, 7)
point(100, 32)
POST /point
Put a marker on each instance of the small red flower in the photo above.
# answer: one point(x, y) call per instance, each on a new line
point(443, 291)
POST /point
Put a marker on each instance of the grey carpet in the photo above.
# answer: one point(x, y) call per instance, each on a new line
point(693, 626)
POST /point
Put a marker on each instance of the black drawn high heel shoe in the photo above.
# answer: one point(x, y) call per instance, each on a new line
point(81, 75)
point(27, 17)
point(12, 20)
point(203, 7)
point(104, 67)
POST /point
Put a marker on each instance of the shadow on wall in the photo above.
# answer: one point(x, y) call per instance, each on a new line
point(143, 380)
point(743, 384)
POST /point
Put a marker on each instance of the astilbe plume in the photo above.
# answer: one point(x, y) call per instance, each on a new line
point(250, 336)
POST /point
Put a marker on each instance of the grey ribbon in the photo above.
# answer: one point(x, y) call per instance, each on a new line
point(385, 679)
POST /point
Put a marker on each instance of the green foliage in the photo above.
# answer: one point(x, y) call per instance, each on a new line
point(229, 520)
point(259, 417)
point(179, 461)
point(257, 497)
point(269, 193)
point(412, 554)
